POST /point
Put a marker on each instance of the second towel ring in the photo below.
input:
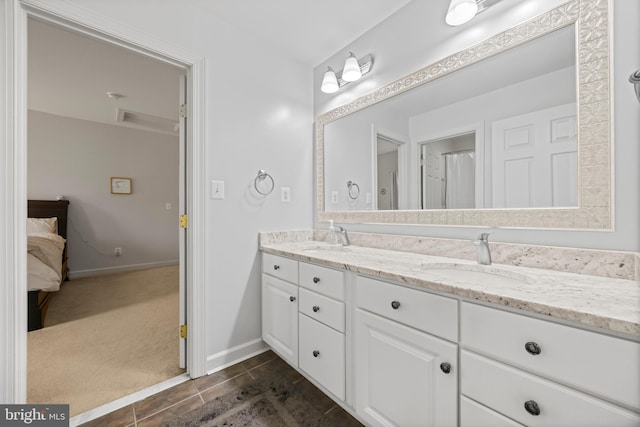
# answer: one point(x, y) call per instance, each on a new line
point(354, 190)
point(263, 183)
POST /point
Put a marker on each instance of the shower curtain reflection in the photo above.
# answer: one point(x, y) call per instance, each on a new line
point(459, 183)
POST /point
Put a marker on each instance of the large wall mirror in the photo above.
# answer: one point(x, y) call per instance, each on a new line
point(512, 132)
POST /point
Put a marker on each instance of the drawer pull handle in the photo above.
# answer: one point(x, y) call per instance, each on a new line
point(316, 279)
point(276, 267)
point(292, 298)
point(315, 308)
point(532, 407)
point(316, 353)
point(532, 348)
point(395, 305)
point(445, 367)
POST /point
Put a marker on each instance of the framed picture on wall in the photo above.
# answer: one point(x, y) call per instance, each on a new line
point(120, 185)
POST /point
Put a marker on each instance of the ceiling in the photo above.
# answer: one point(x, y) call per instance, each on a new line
point(70, 74)
point(311, 30)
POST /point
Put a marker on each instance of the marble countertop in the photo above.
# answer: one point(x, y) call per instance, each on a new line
point(609, 304)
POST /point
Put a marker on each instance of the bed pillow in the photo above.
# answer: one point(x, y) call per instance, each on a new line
point(40, 225)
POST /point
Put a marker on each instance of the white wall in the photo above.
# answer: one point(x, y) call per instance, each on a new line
point(76, 158)
point(417, 36)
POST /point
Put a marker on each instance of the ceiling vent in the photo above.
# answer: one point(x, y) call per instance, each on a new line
point(147, 121)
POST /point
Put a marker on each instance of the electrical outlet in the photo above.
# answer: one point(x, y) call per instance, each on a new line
point(117, 251)
point(285, 194)
point(334, 197)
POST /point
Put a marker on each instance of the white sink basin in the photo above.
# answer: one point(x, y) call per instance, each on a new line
point(476, 273)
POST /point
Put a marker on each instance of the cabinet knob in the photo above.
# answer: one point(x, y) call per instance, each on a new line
point(316, 279)
point(292, 298)
point(315, 308)
point(276, 267)
point(445, 367)
point(532, 348)
point(532, 407)
point(316, 353)
point(395, 304)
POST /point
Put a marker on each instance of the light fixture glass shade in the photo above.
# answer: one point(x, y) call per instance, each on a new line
point(351, 71)
point(461, 11)
point(329, 82)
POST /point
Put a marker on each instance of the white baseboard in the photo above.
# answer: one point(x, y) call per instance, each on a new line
point(231, 356)
point(108, 270)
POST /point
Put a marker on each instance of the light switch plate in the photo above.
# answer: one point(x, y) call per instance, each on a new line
point(217, 190)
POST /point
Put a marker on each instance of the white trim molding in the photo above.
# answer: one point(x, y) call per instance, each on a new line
point(231, 356)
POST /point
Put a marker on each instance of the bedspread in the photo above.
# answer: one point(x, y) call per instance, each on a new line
point(44, 261)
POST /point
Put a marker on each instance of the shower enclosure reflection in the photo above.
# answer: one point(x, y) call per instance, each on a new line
point(448, 173)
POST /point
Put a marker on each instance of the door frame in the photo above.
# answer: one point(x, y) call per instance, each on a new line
point(13, 254)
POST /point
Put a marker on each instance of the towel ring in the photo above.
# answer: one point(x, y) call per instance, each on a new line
point(263, 183)
point(354, 190)
point(634, 78)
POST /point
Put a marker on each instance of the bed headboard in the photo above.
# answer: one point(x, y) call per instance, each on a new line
point(48, 209)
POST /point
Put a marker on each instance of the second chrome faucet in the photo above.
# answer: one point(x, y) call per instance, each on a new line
point(484, 254)
point(339, 231)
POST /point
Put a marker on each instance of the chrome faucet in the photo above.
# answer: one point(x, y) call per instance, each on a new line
point(340, 231)
point(484, 254)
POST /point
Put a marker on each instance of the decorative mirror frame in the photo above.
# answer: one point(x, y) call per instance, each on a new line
point(595, 196)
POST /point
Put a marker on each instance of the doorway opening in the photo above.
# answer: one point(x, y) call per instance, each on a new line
point(104, 134)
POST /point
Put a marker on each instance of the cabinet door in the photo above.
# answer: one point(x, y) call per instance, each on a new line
point(280, 317)
point(398, 375)
point(322, 355)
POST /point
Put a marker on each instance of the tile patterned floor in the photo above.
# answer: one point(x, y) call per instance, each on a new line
point(192, 394)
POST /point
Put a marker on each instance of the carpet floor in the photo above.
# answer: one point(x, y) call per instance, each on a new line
point(106, 337)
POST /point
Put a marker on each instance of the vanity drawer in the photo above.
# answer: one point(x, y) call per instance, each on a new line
point(323, 309)
point(601, 364)
point(322, 355)
point(280, 267)
point(473, 414)
point(510, 391)
point(325, 281)
point(422, 310)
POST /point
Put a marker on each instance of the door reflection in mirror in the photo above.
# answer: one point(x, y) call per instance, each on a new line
point(387, 172)
point(448, 172)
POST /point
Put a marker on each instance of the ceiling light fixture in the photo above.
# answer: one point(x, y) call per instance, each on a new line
point(353, 70)
point(463, 11)
point(114, 95)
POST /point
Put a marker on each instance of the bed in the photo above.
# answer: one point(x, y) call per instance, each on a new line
point(47, 258)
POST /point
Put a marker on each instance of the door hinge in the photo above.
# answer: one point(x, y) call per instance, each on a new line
point(183, 110)
point(183, 331)
point(184, 221)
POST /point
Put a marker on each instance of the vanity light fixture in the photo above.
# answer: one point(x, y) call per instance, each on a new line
point(353, 70)
point(463, 11)
point(330, 82)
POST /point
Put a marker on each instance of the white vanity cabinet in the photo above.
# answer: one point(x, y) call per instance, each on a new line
point(404, 376)
point(322, 327)
point(280, 306)
point(541, 373)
